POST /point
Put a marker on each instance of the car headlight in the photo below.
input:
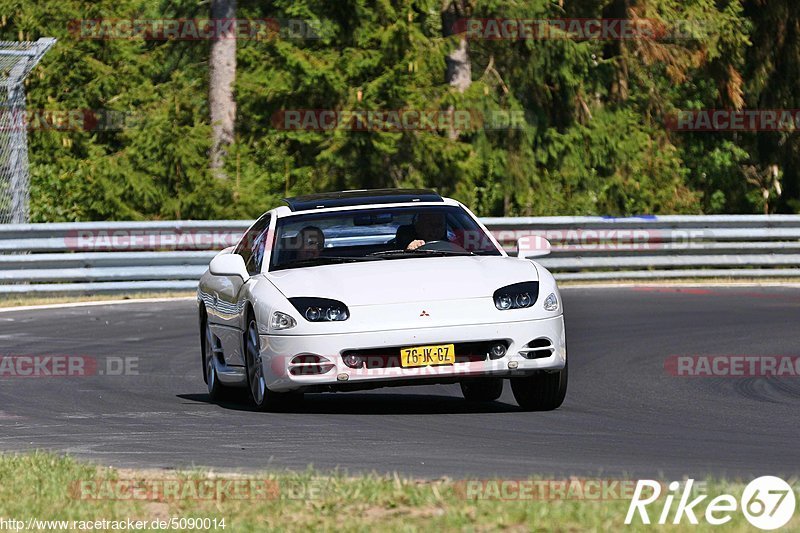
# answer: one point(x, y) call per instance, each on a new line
point(516, 296)
point(282, 321)
point(321, 309)
point(551, 302)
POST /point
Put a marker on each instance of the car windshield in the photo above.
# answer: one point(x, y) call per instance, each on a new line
point(377, 234)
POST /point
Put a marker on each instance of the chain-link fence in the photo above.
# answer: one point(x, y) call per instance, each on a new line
point(17, 59)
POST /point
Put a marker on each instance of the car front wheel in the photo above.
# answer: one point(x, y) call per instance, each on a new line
point(482, 389)
point(263, 398)
point(543, 391)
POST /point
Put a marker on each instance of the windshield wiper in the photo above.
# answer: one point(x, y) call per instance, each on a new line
point(411, 253)
point(387, 252)
point(315, 261)
point(441, 252)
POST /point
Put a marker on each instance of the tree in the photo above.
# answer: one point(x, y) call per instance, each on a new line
point(587, 134)
point(773, 74)
point(459, 67)
point(221, 80)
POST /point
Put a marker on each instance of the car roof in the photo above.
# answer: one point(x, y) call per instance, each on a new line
point(361, 197)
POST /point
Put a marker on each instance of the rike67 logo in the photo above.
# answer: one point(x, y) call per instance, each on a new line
point(767, 503)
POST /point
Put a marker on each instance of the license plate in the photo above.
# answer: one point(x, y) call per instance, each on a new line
point(442, 354)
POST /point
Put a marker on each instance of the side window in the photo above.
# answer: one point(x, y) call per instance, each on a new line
point(257, 257)
point(251, 247)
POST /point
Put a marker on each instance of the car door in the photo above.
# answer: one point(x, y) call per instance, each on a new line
point(228, 303)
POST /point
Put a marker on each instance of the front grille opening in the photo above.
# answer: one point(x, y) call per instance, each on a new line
point(309, 365)
point(538, 349)
point(389, 357)
point(542, 342)
point(308, 359)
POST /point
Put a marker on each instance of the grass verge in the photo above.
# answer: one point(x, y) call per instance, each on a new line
point(49, 487)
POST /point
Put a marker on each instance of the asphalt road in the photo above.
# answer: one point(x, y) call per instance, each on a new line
point(624, 415)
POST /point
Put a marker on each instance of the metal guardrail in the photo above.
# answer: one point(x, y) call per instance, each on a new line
point(114, 257)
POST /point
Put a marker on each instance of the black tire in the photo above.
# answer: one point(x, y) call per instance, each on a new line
point(543, 391)
point(482, 389)
point(216, 390)
point(263, 398)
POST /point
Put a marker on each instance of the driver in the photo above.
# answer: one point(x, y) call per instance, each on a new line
point(311, 242)
point(428, 227)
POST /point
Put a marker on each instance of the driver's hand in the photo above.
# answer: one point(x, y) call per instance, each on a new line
point(413, 245)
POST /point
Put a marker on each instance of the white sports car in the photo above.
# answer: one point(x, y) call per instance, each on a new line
point(363, 289)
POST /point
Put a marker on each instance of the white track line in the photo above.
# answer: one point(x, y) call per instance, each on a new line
point(98, 302)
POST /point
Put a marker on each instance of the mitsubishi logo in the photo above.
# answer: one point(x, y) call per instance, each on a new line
point(424, 313)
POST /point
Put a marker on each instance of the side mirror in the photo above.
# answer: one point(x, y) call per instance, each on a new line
point(532, 246)
point(229, 265)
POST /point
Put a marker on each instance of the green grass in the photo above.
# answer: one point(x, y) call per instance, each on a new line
point(45, 486)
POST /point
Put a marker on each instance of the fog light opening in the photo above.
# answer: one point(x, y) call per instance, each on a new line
point(497, 351)
point(353, 361)
point(342, 377)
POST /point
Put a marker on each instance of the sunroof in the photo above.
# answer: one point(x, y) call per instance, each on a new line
point(361, 197)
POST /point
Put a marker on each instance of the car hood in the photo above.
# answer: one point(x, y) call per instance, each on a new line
point(405, 280)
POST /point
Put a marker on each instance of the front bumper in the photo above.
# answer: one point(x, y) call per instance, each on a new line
point(279, 351)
